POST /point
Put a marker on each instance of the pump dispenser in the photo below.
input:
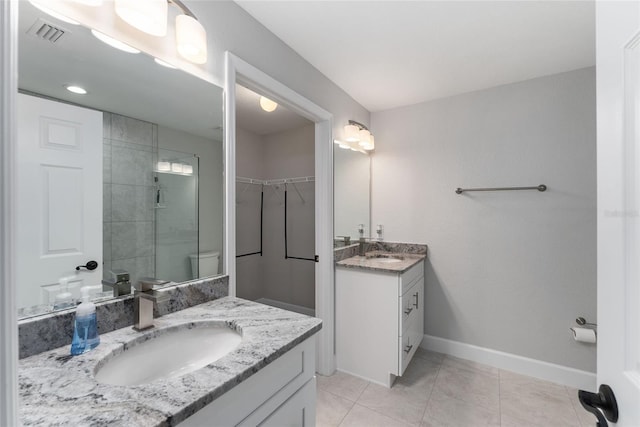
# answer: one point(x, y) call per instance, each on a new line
point(64, 299)
point(85, 332)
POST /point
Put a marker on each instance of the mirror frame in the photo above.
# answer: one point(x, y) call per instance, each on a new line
point(8, 126)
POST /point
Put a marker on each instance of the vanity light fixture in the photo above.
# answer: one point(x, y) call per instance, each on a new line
point(93, 3)
point(113, 42)
point(176, 167)
point(150, 16)
point(357, 132)
point(267, 105)
point(76, 89)
point(163, 166)
point(187, 169)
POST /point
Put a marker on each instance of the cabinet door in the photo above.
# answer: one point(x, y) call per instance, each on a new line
point(413, 331)
point(299, 410)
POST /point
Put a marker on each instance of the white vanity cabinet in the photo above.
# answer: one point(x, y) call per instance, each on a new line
point(379, 321)
point(281, 394)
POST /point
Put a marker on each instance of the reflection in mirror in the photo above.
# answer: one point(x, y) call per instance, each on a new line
point(129, 174)
point(352, 176)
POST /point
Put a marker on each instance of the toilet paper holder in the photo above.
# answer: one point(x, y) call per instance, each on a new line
point(583, 322)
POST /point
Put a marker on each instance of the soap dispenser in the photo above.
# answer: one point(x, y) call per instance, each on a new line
point(64, 299)
point(85, 331)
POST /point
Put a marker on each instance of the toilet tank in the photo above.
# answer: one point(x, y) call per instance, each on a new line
point(208, 262)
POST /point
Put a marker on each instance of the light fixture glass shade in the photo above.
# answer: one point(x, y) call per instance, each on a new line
point(267, 105)
point(164, 64)
point(149, 16)
point(176, 167)
point(164, 166)
point(113, 42)
point(351, 133)
point(187, 169)
point(191, 39)
point(365, 137)
point(76, 89)
point(371, 145)
point(93, 3)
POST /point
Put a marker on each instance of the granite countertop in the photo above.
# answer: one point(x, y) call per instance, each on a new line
point(378, 261)
point(56, 389)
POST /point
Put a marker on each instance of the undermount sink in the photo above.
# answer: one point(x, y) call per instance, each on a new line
point(388, 260)
point(169, 355)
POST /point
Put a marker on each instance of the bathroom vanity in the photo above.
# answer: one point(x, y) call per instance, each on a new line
point(268, 379)
point(379, 314)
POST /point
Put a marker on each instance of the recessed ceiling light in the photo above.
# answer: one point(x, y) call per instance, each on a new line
point(76, 89)
point(164, 64)
point(267, 104)
point(53, 13)
point(113, 42)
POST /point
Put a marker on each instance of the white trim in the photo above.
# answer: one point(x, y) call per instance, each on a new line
point(239, 71)
point(286, 306)
point(511, 362)
point(8, 312)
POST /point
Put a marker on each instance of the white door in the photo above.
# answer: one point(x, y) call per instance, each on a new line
point(59, 198)
point(618, 150)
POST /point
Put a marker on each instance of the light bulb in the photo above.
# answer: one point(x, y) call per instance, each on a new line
point(267, 104)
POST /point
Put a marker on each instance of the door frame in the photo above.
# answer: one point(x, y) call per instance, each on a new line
point(239, 71)
point(8, 126)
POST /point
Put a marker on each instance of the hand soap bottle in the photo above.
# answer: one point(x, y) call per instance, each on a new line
point(85, 331)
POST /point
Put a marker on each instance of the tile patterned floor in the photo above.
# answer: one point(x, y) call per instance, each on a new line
point(443, 391)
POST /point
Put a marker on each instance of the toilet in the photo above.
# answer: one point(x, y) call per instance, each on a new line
point(208, 262)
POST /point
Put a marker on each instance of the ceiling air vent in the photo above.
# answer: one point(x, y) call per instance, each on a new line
point(47, 31)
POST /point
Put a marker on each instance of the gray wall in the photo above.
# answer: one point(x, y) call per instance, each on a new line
point(508, 271)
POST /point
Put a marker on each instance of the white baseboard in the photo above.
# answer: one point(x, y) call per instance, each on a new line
point(511, 362)
point(286, 306)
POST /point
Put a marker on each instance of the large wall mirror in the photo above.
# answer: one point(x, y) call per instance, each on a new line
point(129, 175)
point(352, 192)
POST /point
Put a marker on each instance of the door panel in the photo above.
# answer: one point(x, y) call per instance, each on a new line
point(618, 147)
point(59, 198)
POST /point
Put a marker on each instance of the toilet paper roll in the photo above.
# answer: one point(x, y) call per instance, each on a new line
point(584, 334)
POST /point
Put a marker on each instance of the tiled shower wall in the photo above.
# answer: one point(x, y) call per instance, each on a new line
point(129, 220)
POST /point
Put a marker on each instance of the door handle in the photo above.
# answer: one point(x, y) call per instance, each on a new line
point(91, 265)
point(416, 296)
point(602, 404)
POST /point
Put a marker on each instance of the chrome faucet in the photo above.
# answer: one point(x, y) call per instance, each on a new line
point(119, 283)
point(145, 299)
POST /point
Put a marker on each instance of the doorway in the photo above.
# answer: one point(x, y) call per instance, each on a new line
point(275, 204)
point(239, 71)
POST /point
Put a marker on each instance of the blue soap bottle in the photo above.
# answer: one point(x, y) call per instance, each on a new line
point(85, 331)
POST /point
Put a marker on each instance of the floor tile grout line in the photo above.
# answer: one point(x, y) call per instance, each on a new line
point(433, 386)
point(575, 410)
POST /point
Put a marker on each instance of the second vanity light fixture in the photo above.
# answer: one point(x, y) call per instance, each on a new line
point(356, 132)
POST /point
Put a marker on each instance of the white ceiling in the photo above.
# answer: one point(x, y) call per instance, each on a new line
point(250, 116)
point(387, 54)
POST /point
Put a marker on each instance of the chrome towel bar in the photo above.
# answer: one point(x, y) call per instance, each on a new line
point(540, 187)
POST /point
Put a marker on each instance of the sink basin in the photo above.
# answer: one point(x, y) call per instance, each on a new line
point(169, 355)
point(388, 260)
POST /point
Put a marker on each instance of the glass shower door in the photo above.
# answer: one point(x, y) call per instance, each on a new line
point(176, 207)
